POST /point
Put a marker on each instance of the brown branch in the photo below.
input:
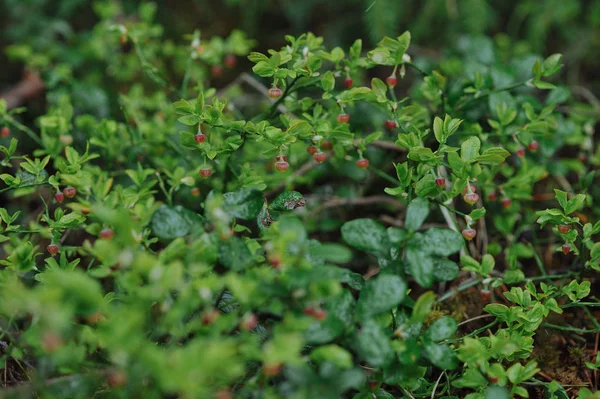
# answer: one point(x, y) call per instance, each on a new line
point(375, 199)
point(30, 86)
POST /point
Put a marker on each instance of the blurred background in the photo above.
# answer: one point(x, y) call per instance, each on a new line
point(57, 28)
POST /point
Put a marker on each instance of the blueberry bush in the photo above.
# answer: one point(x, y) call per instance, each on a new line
point(337, 222)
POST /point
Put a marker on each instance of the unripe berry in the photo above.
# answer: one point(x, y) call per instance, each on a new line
point(492, 196)
point(230, 61)
point(533, 146)
point(566, 248)
point(440, 182)
point(195, 191)
point(392, 80)
point(249, 322)
point(348, 83)
point(200, 138)
point(506, 202)
point(390, 124)
point(327, 145)
point(343, 118)
point(564, 228)
point(59, 197)
point(311, 149)
point(66, 139)
point(469, 234)
point(362, 163)
point(217, 71)
point(106, 234)
point(70, 192)
point(471, 198)
point(4, 132)
point(320, 157)
point(521, 152)
point(52, 249)
point(272, 369)
point(485, 294)
point(274, 92)
point(282, 166)
point(205, 172)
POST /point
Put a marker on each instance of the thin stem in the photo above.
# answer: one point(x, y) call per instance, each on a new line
point(24, 129)
point(416, 68)
point(572, 329)
point(19, 187)
point(464, 286)
point(383, 175)
point(489, 92)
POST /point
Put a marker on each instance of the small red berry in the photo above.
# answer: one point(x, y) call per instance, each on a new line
point(281, 158)
point(343, 118)
point(230, 61)
point(362, 163)
point(564, 228)
point(210, 316)
point(312, 149)
point(5, 132)
point(195, 191)
point(493, 380)
point(470, 188)
point(282, 166)
point(471, 198)
point(566, 248)
point(392, 80)
point(205, 172)
point(272, 369)
point(224, 394)
point(485, 294)
point(106, 234)
point(52, 249)
point(440, 182)
point(59, 197)
point(492, 196)
point(274, 92)
point(348, 83)
point(469, 234)
point(521, 152)
point(275, 261)
point(533, 146)
point(249, 322)
point(200, 138)
point(217, 71)
point(327, 145)
point(70, 192)
point(320, 314)
point(116, 379)
point(390, 124)
point(506, 202)
point(320, 157)
point(85, 211)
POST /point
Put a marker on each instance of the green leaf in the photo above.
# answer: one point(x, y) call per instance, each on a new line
point(380, 294)
point(244, 204)
point(420, 266)
point(574, 203)
point(167, 223)
point(328, 81)
point(493, 156)
point(443, 242)
point(333, 354)
point(367, 235)
point(422, 307)
point(416, 213)
point(440, 355)
point(287, 201)
point(373, 345)
point(331, 252)
point(438, 130)
point(234, 254)
point(469, 150)
point(264, 69)
point(441, 329)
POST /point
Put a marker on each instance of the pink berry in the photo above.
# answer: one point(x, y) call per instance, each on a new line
point(205, 172)
point(70, 192)
point(348, 83)
point(521, 152)
point(390, 124)
point(4, 132)
point(200, 138)
point(312, 149)
point(440, 182)
point(471, 198)
point(564, 228)
point(343, 118)
point(362, 163)
point(106, 234)
point(327, 145)
point(533, 146)
point(59, 197)
point(52, 249)
point(281, 158)
point(230, 61)
point(392, 80)
point(320, 157)
point(274, 92)
point(282, 166)
point(469, 234)
point(506, 202)
point(566, 248)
